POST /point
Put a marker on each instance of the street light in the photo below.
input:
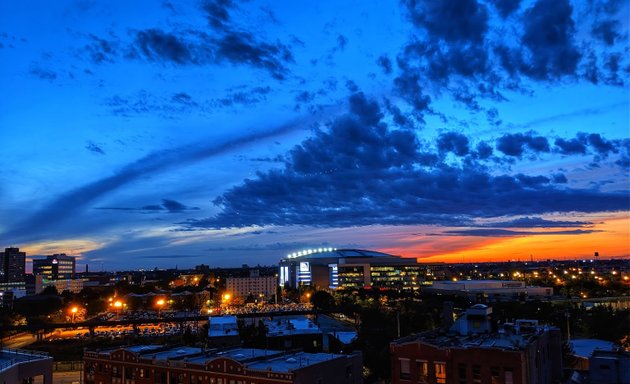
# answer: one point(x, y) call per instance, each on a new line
point(73, 310)
point(160, 304)
point(118, 304)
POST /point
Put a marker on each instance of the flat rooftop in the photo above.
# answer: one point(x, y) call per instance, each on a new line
point(298, 325)
point(175, 353)
point(287, 363)
point(239, 354)
point(501, 340)
point(10, 357)
point(252, 358)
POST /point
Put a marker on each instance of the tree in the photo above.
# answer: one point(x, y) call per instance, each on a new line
point(322, 300)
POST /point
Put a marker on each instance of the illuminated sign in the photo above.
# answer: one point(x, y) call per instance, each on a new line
point(304, 273)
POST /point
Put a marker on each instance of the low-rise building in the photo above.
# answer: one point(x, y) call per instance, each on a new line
point(20, 366)
point(475, 350)
point(186, 365)
point(223, 331)
point(491, 290)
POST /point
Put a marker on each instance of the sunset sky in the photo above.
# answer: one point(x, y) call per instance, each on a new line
point(141, 134)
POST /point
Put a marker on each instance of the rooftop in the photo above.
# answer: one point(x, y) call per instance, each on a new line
point(252, 358)
point(292, 362)
point(291, 326)
point(10, 357)
point(339, 253)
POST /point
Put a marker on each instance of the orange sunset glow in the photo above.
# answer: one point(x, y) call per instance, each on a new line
point(612, 242)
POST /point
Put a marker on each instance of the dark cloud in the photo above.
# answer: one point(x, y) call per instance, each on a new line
point(516, 144)
point(385, 63)
point(601, 145)
point(218, 13)
point(506, 7)
point(359, 171)
point(607, 31)
point(548, 36)
point(175, 206)
point(559, 178)
point(168, 205)
point(226, 43)
point(244, 96)
point(538, 222)
point(571, 147)
point(144, 102)
point(94, 148)
point(342, 41)
point(43, 73)
point(157, 45)
point(102, 50)
point(453, 142)
point(450, 20)
point(461, 50)
point(483, 150)
point(510, 233)
point(243, 48)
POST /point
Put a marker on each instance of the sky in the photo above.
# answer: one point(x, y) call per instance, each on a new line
point(142, 134)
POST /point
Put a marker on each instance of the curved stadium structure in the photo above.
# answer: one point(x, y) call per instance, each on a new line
point(348, 268)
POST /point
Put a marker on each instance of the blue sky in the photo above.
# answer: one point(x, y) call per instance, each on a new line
point(141, 134)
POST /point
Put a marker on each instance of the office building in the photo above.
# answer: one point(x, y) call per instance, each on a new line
point(477, 350)
point(55, 267)
point(331, 268)
point(158, 364)
point(12, 265)
point(256, 286)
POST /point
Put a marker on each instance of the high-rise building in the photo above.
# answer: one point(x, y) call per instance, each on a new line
point(55, 267)
point(12, 265)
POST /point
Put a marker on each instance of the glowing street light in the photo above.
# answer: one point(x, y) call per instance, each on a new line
point(117, 304)
point(73, 310)
point(160, 304)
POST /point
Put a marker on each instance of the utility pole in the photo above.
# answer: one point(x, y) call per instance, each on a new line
point(567, 314)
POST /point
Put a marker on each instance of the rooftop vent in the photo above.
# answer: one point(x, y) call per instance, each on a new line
point(291, 360)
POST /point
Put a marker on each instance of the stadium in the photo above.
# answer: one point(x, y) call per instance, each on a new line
point(332, 268)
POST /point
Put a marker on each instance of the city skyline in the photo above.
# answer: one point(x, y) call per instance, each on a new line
point(181, 133)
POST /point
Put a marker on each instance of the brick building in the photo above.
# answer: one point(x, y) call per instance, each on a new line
point(186, 365)
point(476, 350)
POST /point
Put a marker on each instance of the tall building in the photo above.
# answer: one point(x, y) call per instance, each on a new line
point(332, 268)
point(13, 263)
point(187, 365)
point(476, 350)
point(55, 267)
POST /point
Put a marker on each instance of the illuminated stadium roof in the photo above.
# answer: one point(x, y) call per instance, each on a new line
point(334, 252)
